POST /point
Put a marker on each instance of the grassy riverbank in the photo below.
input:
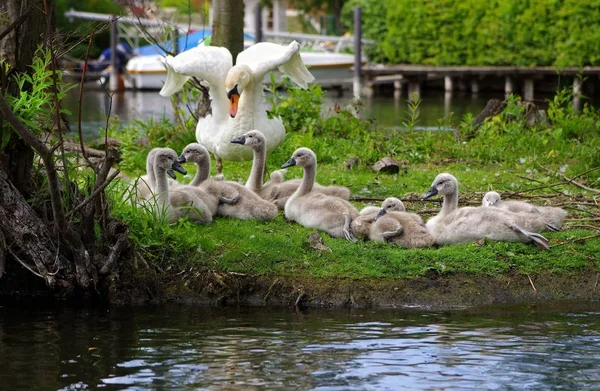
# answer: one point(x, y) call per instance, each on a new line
point(504, 155)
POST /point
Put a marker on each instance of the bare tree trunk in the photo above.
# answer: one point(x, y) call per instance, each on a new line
point(34, 245)
point(62, 249)
point(17, 49)
point(337, 12)
point(228, 25)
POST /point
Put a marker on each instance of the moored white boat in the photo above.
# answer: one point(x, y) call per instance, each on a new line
point(329, 69)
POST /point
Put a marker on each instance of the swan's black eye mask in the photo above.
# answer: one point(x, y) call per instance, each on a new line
point(233, 91)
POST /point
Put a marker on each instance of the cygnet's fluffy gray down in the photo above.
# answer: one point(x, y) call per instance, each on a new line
point(236, 201)
point(317, 210)
point(453, 225)
point(276, 189)
point(361, 224)
point(552, 216)
point(184, 201)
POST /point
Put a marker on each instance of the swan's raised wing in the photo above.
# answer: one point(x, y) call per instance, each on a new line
point(265, 57)
point(208, 63)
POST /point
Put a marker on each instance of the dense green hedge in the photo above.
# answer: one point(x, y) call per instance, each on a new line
point(374, 27)
point(484, 32)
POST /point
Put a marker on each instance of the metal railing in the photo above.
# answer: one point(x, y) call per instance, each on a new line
point(331, 42)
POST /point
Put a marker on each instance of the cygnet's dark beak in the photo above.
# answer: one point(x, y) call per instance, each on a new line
point(382, 211)
point(430, 193)
point(238, 140)
point(181, 158)
point(289, 163)
point(177, 167)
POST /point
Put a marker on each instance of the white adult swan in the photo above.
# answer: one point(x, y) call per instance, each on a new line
point(237, 97)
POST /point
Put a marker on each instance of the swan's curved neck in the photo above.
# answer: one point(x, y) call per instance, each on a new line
point(150, 172)
point(450, 203)
point(308, 180)
point(202, 171)
point(162, 187)
point(218, 101)
point(255, 180)
point(250, 103)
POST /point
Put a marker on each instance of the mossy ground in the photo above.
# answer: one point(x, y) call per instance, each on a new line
point(280, 247)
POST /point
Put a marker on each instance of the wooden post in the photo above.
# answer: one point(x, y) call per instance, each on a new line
point(528, 89)
point(176, 40)
point(357, 51)
point(113, 83)
point(577, 85)
point(414, 89)
point(448, 84)
point(276, 15)
point(474, 87)
point(447, 104)
point(397, 89)
point(369, 86)
point(509, 85)
point(258, 24)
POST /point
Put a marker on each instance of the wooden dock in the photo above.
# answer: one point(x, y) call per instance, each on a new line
point(469, 77)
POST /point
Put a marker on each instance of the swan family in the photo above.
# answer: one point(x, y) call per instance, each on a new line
point(238, 128)
point(327, 208)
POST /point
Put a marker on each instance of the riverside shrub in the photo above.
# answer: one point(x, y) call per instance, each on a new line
point(488, 32)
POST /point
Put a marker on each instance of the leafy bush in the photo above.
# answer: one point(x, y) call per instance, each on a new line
point(373, 26)
point(36, 104)
point(308, 125)
point(137, 138)
point(489, 32)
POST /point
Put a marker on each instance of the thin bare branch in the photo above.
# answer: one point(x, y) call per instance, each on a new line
point(46, 156)
point(115, 252)
point(80, 103)
point(2, 254)
point(26, 266)
point(54, 68)
point(581, 185)
point(94, 193)
point(583, 239)
point(531, 282)
point(18, 22)
point(110, 102)
point(585, 226)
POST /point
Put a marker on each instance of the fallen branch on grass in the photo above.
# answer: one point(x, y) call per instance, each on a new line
point(576, 240)
point(581, 185)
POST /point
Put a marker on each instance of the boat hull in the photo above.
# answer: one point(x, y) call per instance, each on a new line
point(329, 70)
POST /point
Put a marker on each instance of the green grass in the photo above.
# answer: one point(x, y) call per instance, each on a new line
point(504, 155)
point(280, 247)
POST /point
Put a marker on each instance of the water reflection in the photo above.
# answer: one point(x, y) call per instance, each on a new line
point(177, 347)
point(436, 108)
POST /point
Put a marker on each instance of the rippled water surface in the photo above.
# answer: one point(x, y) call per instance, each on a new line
point(436, 109)
point(173, 347)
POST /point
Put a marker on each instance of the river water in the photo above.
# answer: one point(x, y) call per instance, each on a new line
point(172, 347)
point(434, 109)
